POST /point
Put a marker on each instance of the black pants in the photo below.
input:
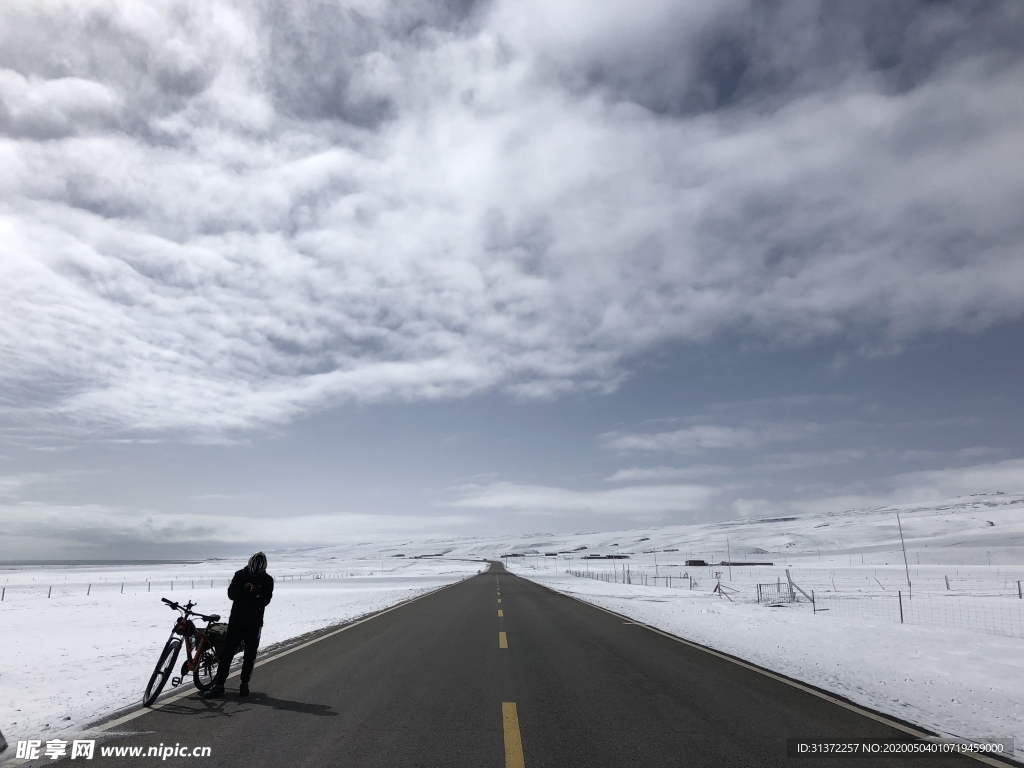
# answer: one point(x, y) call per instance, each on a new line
point(236, 634)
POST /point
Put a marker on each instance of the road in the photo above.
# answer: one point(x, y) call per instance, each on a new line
point(497, 671)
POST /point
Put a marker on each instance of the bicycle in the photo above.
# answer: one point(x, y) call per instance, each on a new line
point(203, 665)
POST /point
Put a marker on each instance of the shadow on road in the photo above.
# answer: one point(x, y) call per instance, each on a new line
point(220, 708)
point(198, 707)
point(320, 710)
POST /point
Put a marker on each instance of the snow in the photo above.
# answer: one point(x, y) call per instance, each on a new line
point(74, 657)
point(955, 683)
point(956, 666)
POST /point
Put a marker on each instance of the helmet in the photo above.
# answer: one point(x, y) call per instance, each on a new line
point(258, 563)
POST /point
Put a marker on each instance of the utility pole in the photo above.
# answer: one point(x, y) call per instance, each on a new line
point(655, 564)
point(910, 589)
point(728, 554)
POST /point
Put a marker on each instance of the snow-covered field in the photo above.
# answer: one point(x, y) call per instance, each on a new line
point(958, 669)
point(953, 682)
point(956, 666)
point(73, 657)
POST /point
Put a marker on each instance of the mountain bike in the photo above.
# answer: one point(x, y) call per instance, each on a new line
point(202, 664)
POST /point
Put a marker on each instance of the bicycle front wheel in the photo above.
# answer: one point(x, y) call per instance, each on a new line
point(206, 670)
point(162, 672)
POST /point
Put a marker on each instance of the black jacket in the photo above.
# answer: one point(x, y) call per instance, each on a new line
point(247, 606)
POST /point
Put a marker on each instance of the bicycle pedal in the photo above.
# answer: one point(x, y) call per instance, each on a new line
point(175, 682)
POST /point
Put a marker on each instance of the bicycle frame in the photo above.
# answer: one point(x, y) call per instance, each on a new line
point(186, 628)
point(181, 628)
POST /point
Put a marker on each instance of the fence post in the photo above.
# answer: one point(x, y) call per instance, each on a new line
point(947, 582)
point(122, 587)
point(49, 592)
point(2, 593)
point(88, 591)
point(900, 596)
point(814, 605)
point(149, 586)
point(1019, 595)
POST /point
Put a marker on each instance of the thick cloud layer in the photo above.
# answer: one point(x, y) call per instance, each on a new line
point(218, 216)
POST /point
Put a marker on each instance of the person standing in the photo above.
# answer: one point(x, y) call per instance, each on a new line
point(250, 591)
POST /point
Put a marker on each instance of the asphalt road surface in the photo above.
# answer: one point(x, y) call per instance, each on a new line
point(497, 671)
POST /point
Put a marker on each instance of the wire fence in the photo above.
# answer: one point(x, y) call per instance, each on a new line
point(78, 589)
point(162, 586)
point(773, 594)
point(995, 616)
point(629, 576)
point(990, 612)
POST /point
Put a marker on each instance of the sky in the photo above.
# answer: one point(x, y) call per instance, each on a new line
point(285, 274)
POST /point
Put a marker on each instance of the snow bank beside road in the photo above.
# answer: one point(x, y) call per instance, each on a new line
point(956, 683)
point(71, 658)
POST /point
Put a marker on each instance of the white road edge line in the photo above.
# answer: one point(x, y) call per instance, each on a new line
point(793, 683)
point(192, 692)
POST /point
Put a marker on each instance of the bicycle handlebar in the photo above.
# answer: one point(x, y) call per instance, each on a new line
point(186, 607)
point(187, 610)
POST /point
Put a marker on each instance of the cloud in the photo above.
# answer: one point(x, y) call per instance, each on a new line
point(906, 488)
point(629, 501)
point(810, 459)
point(11, 485)
point(687, 440)
point(86, 529)
point(1006, 476)
point(963, 454)
point(14, 486)
point(640, 474)
point(219, 217)
point(703, 437)
point(771, 463)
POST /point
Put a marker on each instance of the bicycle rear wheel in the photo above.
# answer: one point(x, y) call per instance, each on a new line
point(206, 670)
point(162, 672)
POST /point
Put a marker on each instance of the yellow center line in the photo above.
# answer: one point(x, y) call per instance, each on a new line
point(502, 640)
point(501, 614)
point(513, 741)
